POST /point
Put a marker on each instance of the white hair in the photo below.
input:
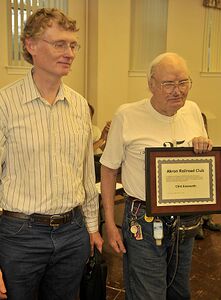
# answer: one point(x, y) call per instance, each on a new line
point(157, 60)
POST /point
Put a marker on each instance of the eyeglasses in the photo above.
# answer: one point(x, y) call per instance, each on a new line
point(62, 46)
point(169, 86)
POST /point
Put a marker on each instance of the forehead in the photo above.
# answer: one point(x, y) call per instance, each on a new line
point(56, 32)
point(171, 69)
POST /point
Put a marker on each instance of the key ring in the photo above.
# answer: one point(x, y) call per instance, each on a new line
point(132, 208)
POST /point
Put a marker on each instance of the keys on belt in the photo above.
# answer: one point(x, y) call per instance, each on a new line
point(157, 223)
point(135, 227)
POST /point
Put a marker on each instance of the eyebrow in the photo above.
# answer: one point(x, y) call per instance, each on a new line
point(171, 81)
point(65, 41)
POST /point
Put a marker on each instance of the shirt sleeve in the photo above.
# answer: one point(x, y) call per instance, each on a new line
point(199, 120)
point(2, 158)
point(113, 154)
point(91, 205)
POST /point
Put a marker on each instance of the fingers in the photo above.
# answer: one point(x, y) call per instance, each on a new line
point(115, 241)
point(99, 248)
point(3, 296)
point(99, 245)
point(202, 144)
point(118, 246)
point(96, 240)
point(210, 145)
point(108, 124)
point(2, 288)
point(121, 246)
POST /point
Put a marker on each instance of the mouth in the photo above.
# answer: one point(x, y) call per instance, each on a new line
point(175, 99)
point(64, 63)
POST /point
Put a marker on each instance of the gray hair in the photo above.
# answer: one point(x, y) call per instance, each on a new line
point(157, 60)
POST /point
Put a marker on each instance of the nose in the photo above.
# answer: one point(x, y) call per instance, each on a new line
point(69, 52)
point(177, 89)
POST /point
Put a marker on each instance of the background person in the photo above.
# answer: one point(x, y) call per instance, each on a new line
point(99, 143)
point(47, 172)
point(99, 137)
point(156, 263)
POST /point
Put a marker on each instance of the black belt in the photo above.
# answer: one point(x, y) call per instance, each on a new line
point(50, 220)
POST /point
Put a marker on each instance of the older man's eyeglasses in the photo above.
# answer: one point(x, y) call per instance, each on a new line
point(183, 85)
point(62, 46)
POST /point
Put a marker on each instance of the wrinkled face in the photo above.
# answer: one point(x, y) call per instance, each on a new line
point(53, 52)
point(169, 85)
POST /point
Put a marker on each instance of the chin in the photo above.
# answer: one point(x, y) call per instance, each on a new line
point(178, 103)
point(174, 108)
point(64, 72)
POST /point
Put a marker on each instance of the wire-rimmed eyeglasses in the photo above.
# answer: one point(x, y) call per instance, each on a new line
point(169, 86)
point(62, 46)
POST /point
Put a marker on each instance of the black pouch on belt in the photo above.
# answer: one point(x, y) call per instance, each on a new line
point(188, 226)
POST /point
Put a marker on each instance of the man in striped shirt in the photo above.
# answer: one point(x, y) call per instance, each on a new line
point(48, 194)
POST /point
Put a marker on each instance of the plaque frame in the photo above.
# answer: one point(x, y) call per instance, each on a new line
point(161, 200)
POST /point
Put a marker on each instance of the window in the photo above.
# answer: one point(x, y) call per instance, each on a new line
point(148, 32)
point(212, 42)
point(18, 12)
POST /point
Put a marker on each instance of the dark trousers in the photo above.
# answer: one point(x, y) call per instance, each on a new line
point(42, 262)
point(147, 272)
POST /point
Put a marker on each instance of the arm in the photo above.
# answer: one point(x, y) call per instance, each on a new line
point(91, 205)
point(2, 150)
point(103, 138)
point(108, 185)
point(99, 144)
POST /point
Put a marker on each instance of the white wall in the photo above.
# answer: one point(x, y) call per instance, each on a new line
point(109, 35)
point(114, 86)
point(76, 79)
point(185, 36)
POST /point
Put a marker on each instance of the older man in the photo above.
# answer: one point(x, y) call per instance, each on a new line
point(156, 264)
point(48, 191)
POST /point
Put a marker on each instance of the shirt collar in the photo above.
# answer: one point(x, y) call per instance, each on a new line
point(31, 92)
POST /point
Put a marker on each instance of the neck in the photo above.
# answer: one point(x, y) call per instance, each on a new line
point(167, 113)
point(47, 87)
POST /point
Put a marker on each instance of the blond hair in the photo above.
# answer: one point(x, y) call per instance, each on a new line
point(38, 22)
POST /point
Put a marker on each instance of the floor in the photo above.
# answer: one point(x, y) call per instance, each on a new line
point(206, 267)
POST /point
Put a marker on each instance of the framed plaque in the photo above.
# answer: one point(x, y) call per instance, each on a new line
point(179, 182)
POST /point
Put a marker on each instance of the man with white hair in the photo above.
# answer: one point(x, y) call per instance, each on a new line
point(153, 270)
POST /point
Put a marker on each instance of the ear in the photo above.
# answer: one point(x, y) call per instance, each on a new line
point(30, 45)
point(151, 84)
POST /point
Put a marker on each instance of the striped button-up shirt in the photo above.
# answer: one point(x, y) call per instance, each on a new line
point(46, 152)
